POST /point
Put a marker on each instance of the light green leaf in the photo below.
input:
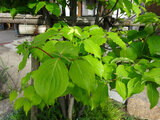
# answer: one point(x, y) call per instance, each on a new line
point(13, 12)
point(67, 49)
point(153, 44)
point(96, 30)
point(19, 103)
point(128, 53)
point(121, 89)
point(116, 39)
point(92, 47)
point(13, 95)
point(53, 8)
point(24, 60)
point(108, 71)
point(25, 80)
point(99, 39)
point(39, 40)
point(82, 74)
point(99, 96)
point(134, 86)
point(27, 107)
point(153, 75)
point(136, 9)
point(68, 32)
point(96, 64)
point(152, 94)
point(121, 72)
point(31, 5)
point(51, 80)
point(39, 6)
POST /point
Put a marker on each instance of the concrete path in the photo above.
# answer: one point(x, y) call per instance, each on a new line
point(7, 36)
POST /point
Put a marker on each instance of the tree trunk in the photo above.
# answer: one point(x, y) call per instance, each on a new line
point(70, 107)
point(73, 11)
point(34, 64)
point(98, 12)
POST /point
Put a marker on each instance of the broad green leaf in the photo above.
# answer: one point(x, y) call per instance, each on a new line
point(108, 71)
point(82, 74)
point(92, 47)
point(51, 80)
point(153, 44)
point(99, 39)
point(153, 75)
point(136, 48)
point(121, 72)
point(13, 95)
point(128, 53)
point(121, 89)
point(53, 8)
point(25, 80)
point(67, 49)
point(96, 64)
point(32, 96)
point(19, 103)
point(3, 9)
point(27, 106)
point(39, 40)
point(108, 58)
point(24, 60)
point(81, 95)
point(68, 32)
point(99, 96)
point(96, 30)
point(152, 94)
point(149, 29)
point(134, 86)
point(147, 18)
point(115, 38)
point(78, 32)
point(39, 6)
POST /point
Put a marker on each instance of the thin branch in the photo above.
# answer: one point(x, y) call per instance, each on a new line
point(109, 11)
point(63, 106)
point(70, 107)
point(45, 52)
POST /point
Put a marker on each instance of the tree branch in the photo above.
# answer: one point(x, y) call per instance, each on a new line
point(63, 106)
point(109, 11)
point(45, 52)
point(70, 107)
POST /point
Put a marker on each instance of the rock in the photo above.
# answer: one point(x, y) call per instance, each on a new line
point(139, 106)
point(5, 107)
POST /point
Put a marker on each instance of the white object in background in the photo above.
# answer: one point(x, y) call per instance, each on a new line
point(30, 29)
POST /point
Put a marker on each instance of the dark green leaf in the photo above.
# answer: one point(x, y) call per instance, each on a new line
point(53, 8)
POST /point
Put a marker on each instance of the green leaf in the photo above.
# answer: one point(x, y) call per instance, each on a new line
point(128, 53)
point(81, 95)
point(31, 95)
point(53, 8)
point(92, 47)
point(134, 86)
point(13, 12)
point(152, 94)
point(96, 64)
point(115, 38)
point(67, 49)
point(121, 72)
point(153, 75)
point(13, 95)
point(95, 30)
point(99, 96)
point(51, 80)
point(99, 39)
point(108, 71)
point(31, 5)
point(3, 9)
point(19, 103)
point(128, 7)
point(81, 73)
point(136, 9)
point(39, 40)
point(39, 6)
point(121, 89)
point(27, 107)
point(68, 32)
point(153, 44)
point(24, 60)
point(147, 18)
point(25, 80)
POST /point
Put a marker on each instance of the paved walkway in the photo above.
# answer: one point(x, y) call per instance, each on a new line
point(7, 36)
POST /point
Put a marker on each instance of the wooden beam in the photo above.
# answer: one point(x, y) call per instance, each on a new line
point(79, 8)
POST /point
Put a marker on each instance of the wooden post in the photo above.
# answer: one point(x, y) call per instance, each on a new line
point(34, 66)
point(79, 8)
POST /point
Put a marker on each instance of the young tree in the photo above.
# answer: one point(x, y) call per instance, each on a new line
point(77, 67)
